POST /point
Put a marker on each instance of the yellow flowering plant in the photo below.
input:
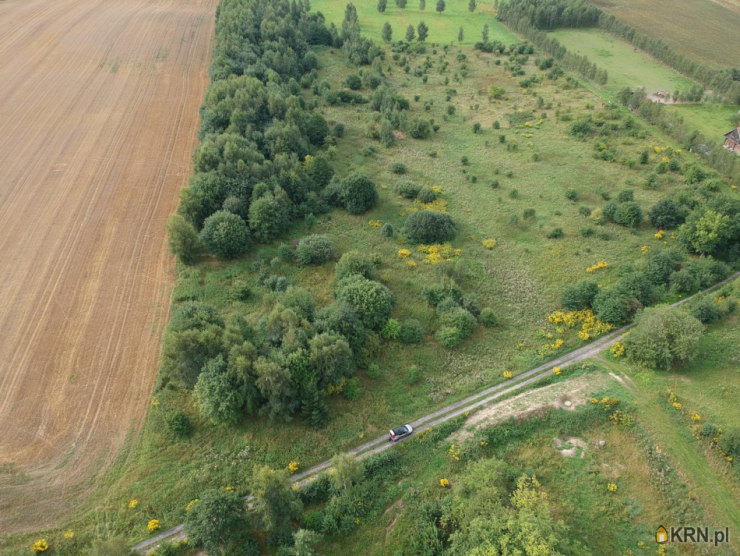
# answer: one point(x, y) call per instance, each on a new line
point(618, 350)
point(69, 534)
point(40, 546)
point(444, 483)
point(133, 503)
point(597, 266)
point(556, 371)
point(659, 234)
point(454, 451)
point(403, 253)
point(508, 374)
point(489, 243)
point(293, 466)
point(191, 504)
point(611, 487)
point(153, 525)
point(376, 223)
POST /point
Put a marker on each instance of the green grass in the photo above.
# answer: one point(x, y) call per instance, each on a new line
point(443, 28)
point(626, 66)
point(693, 28)
point(711, 120)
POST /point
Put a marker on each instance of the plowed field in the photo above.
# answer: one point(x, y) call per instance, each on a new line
point(98, 117)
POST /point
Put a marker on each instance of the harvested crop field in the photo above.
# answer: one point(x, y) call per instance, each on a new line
point(98, 117)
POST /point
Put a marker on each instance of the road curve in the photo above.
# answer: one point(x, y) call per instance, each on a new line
point(448, 412)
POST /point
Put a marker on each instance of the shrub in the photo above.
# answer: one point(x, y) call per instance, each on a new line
point(579, 296)
point(610, 305)
point(426, 195)
point(391, 330)
point(316, 128)
point(610, 209)
point(584, 211)
point(683, 282)
point(529, 213)
point(269, 216)
point(709, 430)
point(353, 82)
point(225, 235)
point(451, 109)
point(398, 168)
point(425, 226)
point(487, 317)
point(470, 303)
point(455, 325)
point(556, 233)
point(626, 196)
point(661, 264)
point(338, 130)
point(371, 300)
point(358, 193)
point(412, 331)
point(586, 232)
point(374, 371)
point(729, 442)
point(706, 310)
point(628, 214)
point(315, 249)
point(420, 129)
point(411, 375)
point(354, 263)
point(571, 194)
point(407, 189)
point(183, 240)
point(178, 424)
point(386, 230)
point(476, 127)
point(663, 336)
point(666, 214)
point(447, 304)
point(195, 315)
point(352, 389)
point(301, 301)
point(436, 293)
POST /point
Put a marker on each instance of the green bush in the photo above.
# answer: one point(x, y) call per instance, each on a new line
point(471, 304)
point(626, 196)
point(419, 129)
point(476, 127)
point(706, 310)
point(571, 194)
point(195, 315)
point(709, 430)
point(683, 282)
point(358, 193)
point(178, 424)
point(353, 82)
point(301, 301)
point(183, 240)
point(352, 389)
point(316, 128)
point(610, 305)
point(391, 330)
point(225, 235)
point(628, 214)
point(456, 324)
point(426, 195)
point(487, 317)
point(666, 214)
point(354, 262)
point(407, 189)
point(451, 109)
point(371, 300)
point(584, 211)
point(435, 293)
point(555, 233)
point(386, 230)
point(412, 331)
point(398, 168)
point(374, 371)
point(411, 375)
point(425, 226)
point(315, 249)
point(610, 209)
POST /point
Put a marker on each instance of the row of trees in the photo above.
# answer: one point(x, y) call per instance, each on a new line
point(250, 178)
point(440, 5)
point(529, 16)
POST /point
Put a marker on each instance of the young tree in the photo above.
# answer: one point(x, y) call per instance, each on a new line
point(269, 216)
point(277, 502)
point(460, 35)
point(358, 193)
point(485, 33)
point(371, 300)
point(441, 6)
point(410, 33)
point(401, 3)
point(382, 4)
point(704, 231)
point(664, 336)
point(331, 357)
point(387, 32)
point(275, 386)
point(471, 6)
point(225, 235)
point(387, 138)
point(422, 5)
point(218, 516)
point(219, 399)
point(183, 240)
point(348, 470)
point(304, 542)
point(314, 408)
point(423, 31)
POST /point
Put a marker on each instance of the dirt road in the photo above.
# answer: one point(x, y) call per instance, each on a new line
point(98, 116)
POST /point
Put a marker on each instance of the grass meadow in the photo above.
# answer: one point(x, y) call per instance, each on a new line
point(627, 67)
point(443, 28)
point(696, 29)
point(712, 120)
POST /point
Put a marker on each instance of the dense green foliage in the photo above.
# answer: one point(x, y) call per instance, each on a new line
point(225, 235)
point(427, 226)
point(218, 517)
point(315, 250)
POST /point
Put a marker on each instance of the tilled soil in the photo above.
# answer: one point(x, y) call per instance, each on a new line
point(98, 117)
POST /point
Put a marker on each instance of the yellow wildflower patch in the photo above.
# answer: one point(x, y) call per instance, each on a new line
point(375, 223)
point(611, 487)
point(403, 253)
point(153, 525)
point(293, 466)
point(489, 243)
point(69, 534)
point(556, 371)
point(666, 159)
point(191, 504)
point(618, 350)
point(659, 235)
point(133, 503)
point(40, 546)
point(411, 264)
point(444, 483)
point(597, 266)
point(508, 374)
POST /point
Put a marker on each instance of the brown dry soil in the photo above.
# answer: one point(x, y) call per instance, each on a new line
point(98, 117)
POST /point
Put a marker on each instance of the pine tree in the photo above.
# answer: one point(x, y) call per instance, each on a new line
point(471, 6)
point(314, 408)
point(441, 6)
point(422, 5)
point(410, 33)
point(460, 35)
point(382, 5)
point(387, 32)
point(423, 31)
point(485, 33)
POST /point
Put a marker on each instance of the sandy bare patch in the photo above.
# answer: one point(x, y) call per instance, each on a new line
point(566, 395)
point(568, 446)
point(98, 118)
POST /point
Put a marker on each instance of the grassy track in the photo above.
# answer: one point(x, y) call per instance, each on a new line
point(627, 67)
point(695, 28)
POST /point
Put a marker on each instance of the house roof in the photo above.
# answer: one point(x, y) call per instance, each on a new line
point(734, 135)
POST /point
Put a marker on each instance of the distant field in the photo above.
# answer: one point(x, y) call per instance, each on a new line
point(712, 120)
point(627, 67)
point(695, 28)
point(443, 28)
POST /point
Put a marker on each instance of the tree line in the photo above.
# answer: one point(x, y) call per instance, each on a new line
point(530, 17)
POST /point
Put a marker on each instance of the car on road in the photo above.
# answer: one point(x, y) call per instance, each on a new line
point(400, 432)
